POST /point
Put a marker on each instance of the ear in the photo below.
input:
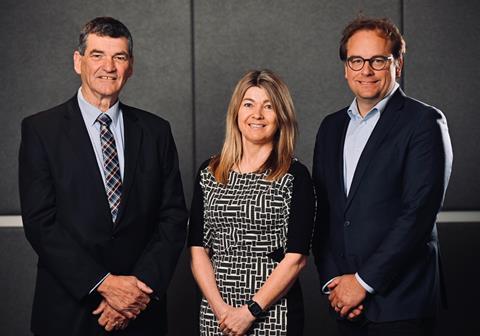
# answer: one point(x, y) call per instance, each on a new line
point(77, 62)
point(345, 69)
point(130, 68)
point(398, 67)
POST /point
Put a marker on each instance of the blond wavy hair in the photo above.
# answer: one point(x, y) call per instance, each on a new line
point(278, 163)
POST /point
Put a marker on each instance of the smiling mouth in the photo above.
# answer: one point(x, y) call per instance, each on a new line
point(257, 125)
point(367, 82)
point(107, 77)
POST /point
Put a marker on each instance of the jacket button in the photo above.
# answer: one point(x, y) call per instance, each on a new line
point(114, 237)
point(346, 224)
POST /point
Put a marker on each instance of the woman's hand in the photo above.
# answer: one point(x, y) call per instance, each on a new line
point(236, 321)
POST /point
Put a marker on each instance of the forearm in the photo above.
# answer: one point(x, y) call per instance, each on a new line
point(203, 273)
point(281, 279)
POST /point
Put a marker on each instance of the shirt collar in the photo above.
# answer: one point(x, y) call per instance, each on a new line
point(354, 114)
point(91, 112)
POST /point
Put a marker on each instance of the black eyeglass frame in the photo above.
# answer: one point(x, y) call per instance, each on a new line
point(369, 60)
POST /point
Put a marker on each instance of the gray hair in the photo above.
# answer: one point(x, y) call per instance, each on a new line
point(104, 26)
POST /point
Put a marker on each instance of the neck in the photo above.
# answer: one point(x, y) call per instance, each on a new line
point(254, 156)
point(365, 107)
point(103, 103)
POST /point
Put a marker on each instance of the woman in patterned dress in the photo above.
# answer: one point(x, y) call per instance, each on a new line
point(252, 217)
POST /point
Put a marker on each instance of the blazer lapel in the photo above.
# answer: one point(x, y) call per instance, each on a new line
point(133, 139)
point(384, 124)
point(77, 134)
point(341, 143)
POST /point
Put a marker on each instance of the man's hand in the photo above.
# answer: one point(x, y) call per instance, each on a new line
point(110, 319)
point(125, 294)
point(236, 321)
point(346, 296)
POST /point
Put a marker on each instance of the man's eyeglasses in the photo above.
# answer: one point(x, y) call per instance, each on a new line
point(356, 63)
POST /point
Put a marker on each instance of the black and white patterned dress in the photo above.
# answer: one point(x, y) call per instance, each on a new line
point(249, 225)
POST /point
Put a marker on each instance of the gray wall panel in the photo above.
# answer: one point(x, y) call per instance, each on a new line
point(17, 281)
point(37, 71)
point(443, 45)
point(297, 39)
point(459, 251)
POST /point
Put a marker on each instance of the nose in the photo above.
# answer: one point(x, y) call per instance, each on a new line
point(258, 112)
point(109, 65)
point(367, 69)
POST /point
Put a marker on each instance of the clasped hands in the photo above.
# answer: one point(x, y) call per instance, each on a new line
point(346, 296)
point(235, 321)
point(124, 298)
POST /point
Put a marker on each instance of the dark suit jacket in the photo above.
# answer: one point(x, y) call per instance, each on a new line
point(385, 229)
point(66, 217)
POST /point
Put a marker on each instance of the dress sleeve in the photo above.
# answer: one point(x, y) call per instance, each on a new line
point(196, 225)
point(302, 211)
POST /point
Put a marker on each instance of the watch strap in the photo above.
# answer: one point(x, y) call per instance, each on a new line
point(254, 308)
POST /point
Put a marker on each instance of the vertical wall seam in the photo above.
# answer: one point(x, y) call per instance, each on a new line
point(402, 30)
point(192, 65)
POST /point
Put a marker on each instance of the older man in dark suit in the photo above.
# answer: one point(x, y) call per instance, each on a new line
point(381, 167)
point(102, 200)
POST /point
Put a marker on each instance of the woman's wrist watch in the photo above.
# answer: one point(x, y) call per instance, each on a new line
point(254, 308)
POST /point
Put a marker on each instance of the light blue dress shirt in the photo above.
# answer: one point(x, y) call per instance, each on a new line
point(90, 114)
point(358, 132)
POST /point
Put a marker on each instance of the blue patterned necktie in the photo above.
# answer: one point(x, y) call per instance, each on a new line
point(111, 165)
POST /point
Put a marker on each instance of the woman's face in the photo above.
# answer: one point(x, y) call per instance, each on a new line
point(257, 120)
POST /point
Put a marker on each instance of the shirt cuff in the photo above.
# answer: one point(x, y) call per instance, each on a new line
point(325, 289)
point(364, 284)
point(99, 283)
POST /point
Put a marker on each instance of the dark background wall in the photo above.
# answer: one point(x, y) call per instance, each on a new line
point(189, 55)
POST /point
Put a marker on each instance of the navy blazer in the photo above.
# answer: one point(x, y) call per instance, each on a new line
point(67, 220)
point(385, 229)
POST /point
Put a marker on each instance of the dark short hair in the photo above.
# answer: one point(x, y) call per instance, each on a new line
point(384, 26)
point(104, 26)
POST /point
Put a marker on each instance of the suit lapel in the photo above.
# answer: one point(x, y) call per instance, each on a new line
point(384, 124)
point(341, 143)
point(77, 134)
point(133, 139)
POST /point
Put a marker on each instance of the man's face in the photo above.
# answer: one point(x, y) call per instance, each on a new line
point(104, 68)
point(369, 85)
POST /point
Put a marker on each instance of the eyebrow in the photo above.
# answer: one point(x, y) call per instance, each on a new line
point(252, 100)
point(96, 51)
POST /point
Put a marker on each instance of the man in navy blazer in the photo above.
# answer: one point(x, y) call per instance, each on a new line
point(381, 167)
point(102, 200)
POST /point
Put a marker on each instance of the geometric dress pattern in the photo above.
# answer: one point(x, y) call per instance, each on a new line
point(244, 222)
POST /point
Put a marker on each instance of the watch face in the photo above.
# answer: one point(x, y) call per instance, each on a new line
point(254, 308)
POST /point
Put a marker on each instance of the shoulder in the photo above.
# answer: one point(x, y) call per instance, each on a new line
point(335, 116)
point(205, 164)
point(203, 168)
point(333, 121)
point(51, 114)
point(418, 110)
point(147, 119)
point(298, 170)
point(50, 119)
